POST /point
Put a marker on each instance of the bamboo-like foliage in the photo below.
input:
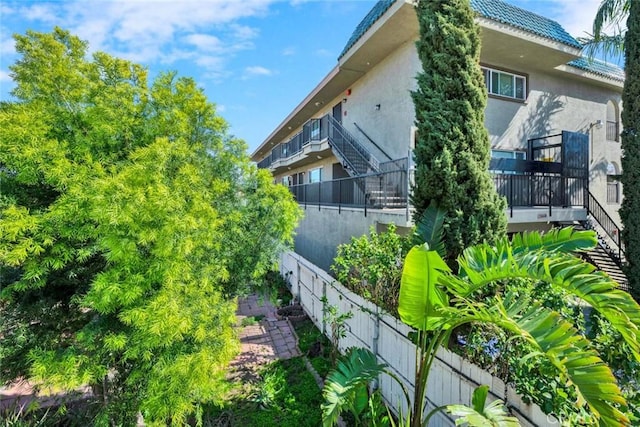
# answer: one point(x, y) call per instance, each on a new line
point(130, 222)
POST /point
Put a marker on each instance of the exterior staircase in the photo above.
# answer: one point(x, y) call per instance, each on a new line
point(603, 257)
point(608, 255)
point(355, 159)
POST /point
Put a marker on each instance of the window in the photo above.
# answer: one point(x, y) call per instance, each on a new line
point(504, 154)
point(315, 129)
point(286, 181)
point(613, 185)
point(505, 84)
point(315, 175)
point(613, 190)
point(613, 127)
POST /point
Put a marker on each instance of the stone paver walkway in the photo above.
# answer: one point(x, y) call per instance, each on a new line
point(265, 341)
point(261, 343)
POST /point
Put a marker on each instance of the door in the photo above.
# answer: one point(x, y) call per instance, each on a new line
point(337, 112)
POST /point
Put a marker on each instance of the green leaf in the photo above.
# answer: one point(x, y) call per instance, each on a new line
point(344, 386)
point(481, 415)
point(420, 297)
point(430, 228)
point(479, 398)
point(562, 345)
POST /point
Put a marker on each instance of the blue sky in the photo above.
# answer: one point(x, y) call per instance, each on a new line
point(255, 59)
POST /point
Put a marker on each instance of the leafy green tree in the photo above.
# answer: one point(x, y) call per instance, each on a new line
point(452, 145)
point(630, 143)
point(131, 220)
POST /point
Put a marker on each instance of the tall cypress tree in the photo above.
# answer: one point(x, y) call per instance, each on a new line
point(630, 210)
point(452, 147)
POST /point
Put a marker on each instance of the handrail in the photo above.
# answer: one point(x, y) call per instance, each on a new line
point(372, 141)
point(343, 157)
point(378, 190)
point(364, 155)
point(603, 219)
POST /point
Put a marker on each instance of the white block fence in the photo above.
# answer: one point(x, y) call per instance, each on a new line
point(451, 380)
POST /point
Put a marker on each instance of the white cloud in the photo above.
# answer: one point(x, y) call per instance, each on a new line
point(257, 71)
point(323, 52)
point(162, 31)
point(205, 42)
point(576, 16)
point(288, 51)
point(7, 46)
point(5, 77)
point(38, 12)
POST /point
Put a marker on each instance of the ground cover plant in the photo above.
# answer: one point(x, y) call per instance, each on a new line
point(285, 394)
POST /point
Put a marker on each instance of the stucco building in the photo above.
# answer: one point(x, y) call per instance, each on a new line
point(553, 118)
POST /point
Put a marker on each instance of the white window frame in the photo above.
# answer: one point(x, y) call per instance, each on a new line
point(488, 74)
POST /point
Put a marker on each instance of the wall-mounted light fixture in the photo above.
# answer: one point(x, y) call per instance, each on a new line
point(344, 100)
point(597, 124)
point(377, 107)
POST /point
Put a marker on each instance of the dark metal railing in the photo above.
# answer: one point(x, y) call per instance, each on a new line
point(372, 141)
point(377, 190)
point(352, 154)
point(600, 215)
point(613, 131)
point(346, 146)
point(541, 190)
point(545, 149)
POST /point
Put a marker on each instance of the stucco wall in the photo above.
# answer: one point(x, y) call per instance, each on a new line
point(324, 228)
point(388, 84)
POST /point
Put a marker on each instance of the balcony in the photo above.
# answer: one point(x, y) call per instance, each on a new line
point(381, 190)
point(554, 181)
point(318, 138)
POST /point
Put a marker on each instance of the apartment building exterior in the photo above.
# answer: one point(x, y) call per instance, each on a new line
point(553, 118)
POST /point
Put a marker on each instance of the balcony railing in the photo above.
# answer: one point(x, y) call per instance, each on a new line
point(378, 190)
point(541, 190)
point(613, 131)
point(351, 153)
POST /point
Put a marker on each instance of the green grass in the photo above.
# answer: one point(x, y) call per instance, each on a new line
point(308, 337)
point(251, 320)
point(285, 395)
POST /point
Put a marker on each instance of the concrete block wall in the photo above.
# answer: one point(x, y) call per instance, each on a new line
point(451, 380)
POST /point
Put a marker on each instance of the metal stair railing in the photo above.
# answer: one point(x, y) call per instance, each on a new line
point(606, 223)
point(356, 157)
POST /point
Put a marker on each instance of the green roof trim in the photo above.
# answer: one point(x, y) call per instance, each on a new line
point(500, 11)
point(374, 14)
point(598, 67)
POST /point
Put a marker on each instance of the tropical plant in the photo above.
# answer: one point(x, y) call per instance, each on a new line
point(610, 16)
point(452, 144)
point(435, 301)
point(347, 388)
point(130, 221)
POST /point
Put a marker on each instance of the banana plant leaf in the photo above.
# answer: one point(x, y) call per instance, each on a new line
point(420, 296)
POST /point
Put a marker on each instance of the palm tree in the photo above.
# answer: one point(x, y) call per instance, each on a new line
point(611, 15)
point(435, 301)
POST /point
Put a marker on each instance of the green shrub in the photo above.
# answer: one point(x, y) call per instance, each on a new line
point(371, 266)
